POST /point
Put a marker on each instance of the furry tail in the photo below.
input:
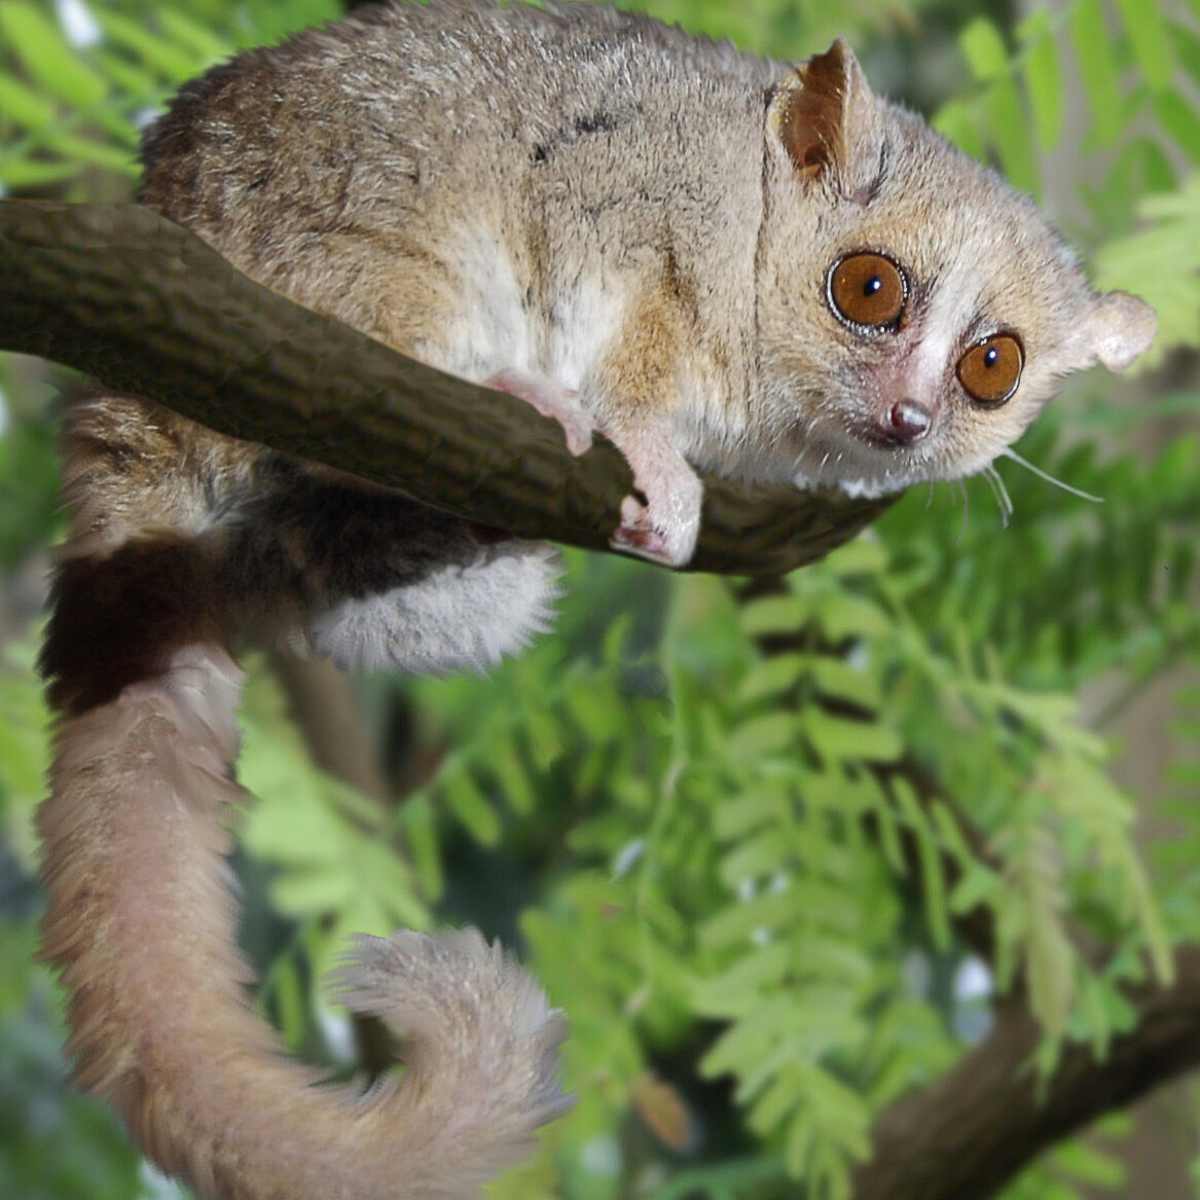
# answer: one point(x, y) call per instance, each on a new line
point(141, 923)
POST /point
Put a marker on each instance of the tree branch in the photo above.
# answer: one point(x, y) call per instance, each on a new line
point(148, 308)
point(970, 1132)
point(327, 713)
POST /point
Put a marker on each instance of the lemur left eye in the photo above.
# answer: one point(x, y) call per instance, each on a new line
point(991, 370)
point(867, 290)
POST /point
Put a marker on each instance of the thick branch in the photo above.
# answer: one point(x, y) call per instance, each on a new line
point(970, 1132)
point(146, 307)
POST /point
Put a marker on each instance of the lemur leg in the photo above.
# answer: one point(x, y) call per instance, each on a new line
point(274, 551)
point(639, 389)
point(551, 400)
point(660, 521)
point(384, 582)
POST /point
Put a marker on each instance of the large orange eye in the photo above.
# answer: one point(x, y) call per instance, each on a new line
point(991, 370)
point(867, 290)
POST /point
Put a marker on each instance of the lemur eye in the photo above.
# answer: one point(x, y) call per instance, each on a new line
point(867, 290)
point(991, 370)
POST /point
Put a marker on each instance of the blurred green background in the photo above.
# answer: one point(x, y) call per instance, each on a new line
point(741, 834)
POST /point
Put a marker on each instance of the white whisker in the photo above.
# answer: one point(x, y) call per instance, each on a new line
point(1045, 475)
point(966, 501)
point(1000, 492)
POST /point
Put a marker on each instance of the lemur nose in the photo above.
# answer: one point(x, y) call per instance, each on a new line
point(908, 421)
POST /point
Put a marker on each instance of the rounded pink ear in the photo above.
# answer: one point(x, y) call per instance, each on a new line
point(1121, 327)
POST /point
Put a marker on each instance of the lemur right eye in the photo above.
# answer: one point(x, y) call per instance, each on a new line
point(991, 370)
point(867, 291)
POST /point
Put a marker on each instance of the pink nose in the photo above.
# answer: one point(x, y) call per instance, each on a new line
point(907, 422)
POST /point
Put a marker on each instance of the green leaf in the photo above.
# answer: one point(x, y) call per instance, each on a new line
point(764, 735)
point(47, 58)
point(774, 675)
point(773, 614)
point(843, 615)
point(138, 85)
point(1147, 29)
point(838, 679)
point(988, 59)
point(839, 739)
point(24, 107)
point(594, 708)
point(984, 50)
point(98, 153)
point(738, 990)
point(1093, 48)
point(510, 771)
point(159, 54)
point(546, 743)
point(187, 33)
point(1007, 127)
point(978, 885)
point(471, 807)
point(420, 837)
point(1180, 120)
point(933, 880)
point(1089, 1164)
point(754, 859)
point(18, 173)
point(739, 815)
point(1043, 78)
point(1187, 46)
point(865, 555)
point(957, 121)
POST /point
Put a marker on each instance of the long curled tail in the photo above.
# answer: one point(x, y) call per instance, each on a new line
point(141, 923)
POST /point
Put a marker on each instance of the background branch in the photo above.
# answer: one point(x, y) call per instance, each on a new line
point(146, 307)
point(976, 1127)
point(329, 717)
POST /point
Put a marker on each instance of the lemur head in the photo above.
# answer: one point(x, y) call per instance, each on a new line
point(915, 311)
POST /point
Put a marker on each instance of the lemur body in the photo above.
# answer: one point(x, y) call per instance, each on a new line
point(718, 262)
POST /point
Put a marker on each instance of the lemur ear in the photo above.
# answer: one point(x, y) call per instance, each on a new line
point(1119, 328)
point(824, 116)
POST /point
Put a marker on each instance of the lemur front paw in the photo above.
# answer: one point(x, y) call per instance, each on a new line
point(664, 528)
point(551, 400)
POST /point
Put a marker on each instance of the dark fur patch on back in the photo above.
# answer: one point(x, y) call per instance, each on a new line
point(117, 620)
point(321, 542)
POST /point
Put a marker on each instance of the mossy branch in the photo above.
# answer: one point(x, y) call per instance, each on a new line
point(146, 307)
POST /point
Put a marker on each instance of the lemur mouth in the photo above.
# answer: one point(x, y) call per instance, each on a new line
point(879, 439)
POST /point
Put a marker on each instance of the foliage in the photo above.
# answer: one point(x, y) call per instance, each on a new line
point(742, 827)
point(1131, 82)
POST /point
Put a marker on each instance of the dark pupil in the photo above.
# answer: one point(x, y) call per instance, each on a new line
point(872, 285)
point(991, 357)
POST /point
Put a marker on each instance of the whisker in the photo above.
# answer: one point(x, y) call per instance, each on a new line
point(966, 502)
point(1045, 475)
point(1003, 499)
